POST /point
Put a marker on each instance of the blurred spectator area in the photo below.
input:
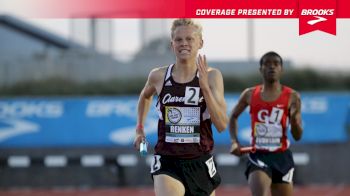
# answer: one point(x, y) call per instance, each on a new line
point(30, 53)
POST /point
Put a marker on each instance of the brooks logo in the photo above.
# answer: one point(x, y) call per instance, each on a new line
point(315, 21)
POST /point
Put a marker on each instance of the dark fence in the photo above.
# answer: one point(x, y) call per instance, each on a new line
point(120, 167)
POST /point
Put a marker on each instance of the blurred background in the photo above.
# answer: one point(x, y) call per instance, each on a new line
point(69, 90)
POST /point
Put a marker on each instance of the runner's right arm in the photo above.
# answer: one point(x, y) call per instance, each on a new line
point(143, 106)
point(243, 102)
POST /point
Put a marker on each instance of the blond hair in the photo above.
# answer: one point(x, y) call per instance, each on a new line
point(186, 22)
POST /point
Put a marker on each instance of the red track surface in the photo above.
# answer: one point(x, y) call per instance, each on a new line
point(318, 190)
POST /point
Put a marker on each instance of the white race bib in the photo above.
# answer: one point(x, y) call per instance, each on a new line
point(182, 124)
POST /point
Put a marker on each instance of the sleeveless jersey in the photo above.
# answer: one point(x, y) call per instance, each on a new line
point(184, 126)
point(269, 121)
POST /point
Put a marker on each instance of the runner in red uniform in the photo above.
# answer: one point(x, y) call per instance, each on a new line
point(273, 106)
point(190, 99)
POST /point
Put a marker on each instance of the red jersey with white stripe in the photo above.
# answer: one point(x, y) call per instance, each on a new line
point(269, 121)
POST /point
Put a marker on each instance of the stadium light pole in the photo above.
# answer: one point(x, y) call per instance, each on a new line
point(250, 39)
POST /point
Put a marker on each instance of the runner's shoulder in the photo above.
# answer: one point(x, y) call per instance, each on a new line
point(157, 74)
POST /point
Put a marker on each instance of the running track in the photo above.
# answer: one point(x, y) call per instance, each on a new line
point(326, 190)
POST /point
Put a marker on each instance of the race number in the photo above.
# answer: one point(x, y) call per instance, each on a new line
point(276, 115)
point(191, 95)
point(289, 176)
point(211, 167)
point(155, 166)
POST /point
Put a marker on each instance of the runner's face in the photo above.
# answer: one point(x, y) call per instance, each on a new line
point(186, 42)
point(271, 68)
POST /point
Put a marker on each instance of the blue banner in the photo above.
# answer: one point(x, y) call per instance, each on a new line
point(110, 121)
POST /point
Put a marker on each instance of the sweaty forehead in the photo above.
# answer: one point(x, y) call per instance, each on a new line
point(271, 58)
point(188, 30)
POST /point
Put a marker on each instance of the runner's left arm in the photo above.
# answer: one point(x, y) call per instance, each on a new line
point(295, 116)
point(211, 83)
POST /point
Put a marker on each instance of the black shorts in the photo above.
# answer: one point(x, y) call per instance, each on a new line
point(279, 166)
point(199, 176)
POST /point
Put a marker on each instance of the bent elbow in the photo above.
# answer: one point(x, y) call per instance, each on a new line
point(221, 127)
point(220, 123)
point(297, 138)
point(297, 132)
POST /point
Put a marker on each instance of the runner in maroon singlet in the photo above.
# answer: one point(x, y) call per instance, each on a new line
point(190, 99)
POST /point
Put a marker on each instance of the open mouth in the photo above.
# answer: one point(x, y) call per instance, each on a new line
point(184, 51)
